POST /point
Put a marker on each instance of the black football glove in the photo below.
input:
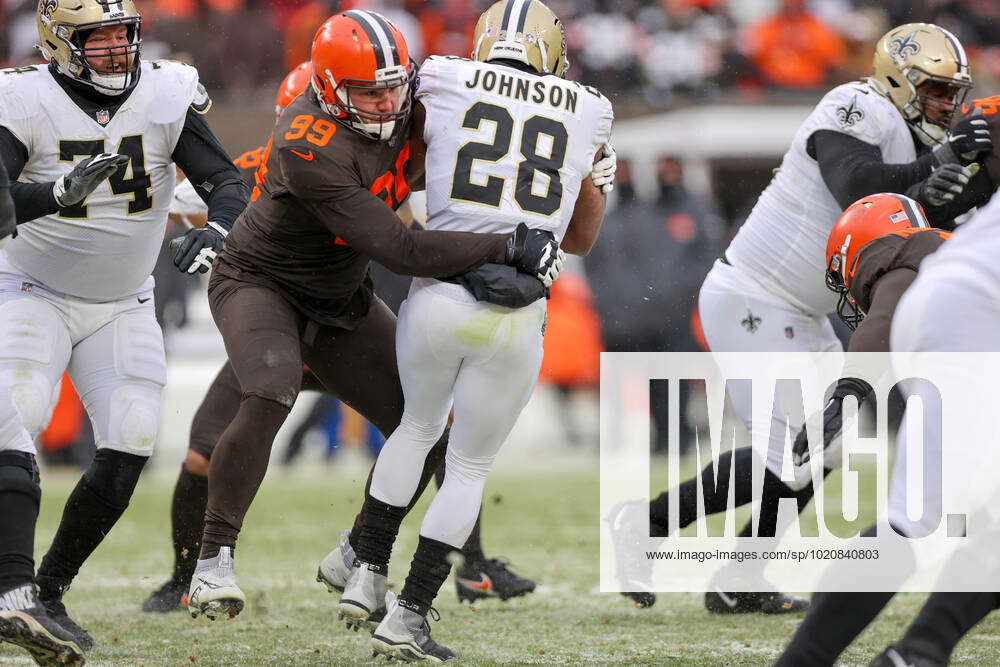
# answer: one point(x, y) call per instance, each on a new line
point(945, 183)
point(535, 252)
point(87, 174)
point(833, 416)
point(198, 248)
point(967, 142)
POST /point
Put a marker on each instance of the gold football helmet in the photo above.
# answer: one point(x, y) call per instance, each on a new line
point(523, 30)
point(63, 29)
point(923, 70)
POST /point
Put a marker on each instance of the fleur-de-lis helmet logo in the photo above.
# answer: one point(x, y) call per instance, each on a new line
point(46, 7)
point(905, 45)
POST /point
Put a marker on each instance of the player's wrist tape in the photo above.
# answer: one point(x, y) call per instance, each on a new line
point(945, 154)
point(218, 227)
point(852, 387)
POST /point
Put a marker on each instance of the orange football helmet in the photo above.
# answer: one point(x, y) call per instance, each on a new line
point(363, 74)
point(863, 221)
point(294, 83)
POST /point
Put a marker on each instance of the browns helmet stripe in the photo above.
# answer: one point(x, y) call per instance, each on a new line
point(917, 218)
point(386, 53)
point(387, 31)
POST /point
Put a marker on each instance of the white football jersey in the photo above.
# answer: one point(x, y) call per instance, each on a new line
point(971, 253)
point(104, 248)
point(782, 244)
point(505, 146)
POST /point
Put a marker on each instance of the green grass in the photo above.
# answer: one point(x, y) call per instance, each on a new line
point(544, 520)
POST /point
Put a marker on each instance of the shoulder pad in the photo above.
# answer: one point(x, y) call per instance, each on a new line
point(176, 87)
point(440, 59)
point(854, 109)
point(20, 91)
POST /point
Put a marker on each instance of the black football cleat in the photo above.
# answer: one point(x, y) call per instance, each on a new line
point(641, 599)
point(171, 596)
point(57, 612)
point(898, 655)
point(490, 578)
point(719, 602)
point(24, 622)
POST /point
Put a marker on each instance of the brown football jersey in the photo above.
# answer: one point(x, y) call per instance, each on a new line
point(318, 214)
point(248, 164)
point(990, 108)
point(903, 249)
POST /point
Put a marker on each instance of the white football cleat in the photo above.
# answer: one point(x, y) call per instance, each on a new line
point(214, 592)
point(336, 568)
point(363, 602)
point(406, 635)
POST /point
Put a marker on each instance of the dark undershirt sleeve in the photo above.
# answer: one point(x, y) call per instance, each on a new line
point(872, 335)
point(206, 164)
point(853, 169)
point(366, 224)
point(7, 217)
point(31, 200)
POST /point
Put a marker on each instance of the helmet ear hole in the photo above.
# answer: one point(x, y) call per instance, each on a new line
point(892, 82)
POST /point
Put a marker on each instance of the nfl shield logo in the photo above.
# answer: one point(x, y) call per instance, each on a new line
point(103, 116)
point(789, 332)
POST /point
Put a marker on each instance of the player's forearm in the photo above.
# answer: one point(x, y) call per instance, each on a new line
point(853, 169)
point(227, 201)
point(588, 216)
point(374, 230)
point(33, 200)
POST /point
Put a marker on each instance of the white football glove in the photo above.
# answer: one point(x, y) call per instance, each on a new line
point(603, 173)
point(551, 271)
point(186, 200)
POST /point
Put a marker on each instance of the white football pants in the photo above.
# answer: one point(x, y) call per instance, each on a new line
point(481, 358)
point(946, 309)
point(113, 351)
point(739, 315)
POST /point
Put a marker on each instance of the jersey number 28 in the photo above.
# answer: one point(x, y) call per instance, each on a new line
point(490, 193)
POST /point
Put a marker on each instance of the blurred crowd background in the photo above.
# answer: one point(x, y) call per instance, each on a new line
point(647, 54)
point(652, 58)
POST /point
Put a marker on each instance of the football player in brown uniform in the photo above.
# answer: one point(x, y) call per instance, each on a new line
point(873, 255)
point(292, 283)
point(217, 410)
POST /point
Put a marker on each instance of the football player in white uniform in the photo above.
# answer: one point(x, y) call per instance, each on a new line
point(93, 139)
point(887, 133)
point(508, 141)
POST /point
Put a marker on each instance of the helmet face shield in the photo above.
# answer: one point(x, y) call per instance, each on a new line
point(110, 68)
point(939, 99)
point(374, 107)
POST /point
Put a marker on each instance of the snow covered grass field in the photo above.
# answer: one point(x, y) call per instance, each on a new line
point(543, 519)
